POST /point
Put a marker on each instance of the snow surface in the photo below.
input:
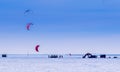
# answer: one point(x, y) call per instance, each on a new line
point(58, 65)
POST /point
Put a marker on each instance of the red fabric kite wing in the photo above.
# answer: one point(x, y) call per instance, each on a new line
point(28, 26)
point(37, 48)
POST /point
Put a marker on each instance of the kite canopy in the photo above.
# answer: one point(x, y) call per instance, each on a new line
point(37, 48)
point(27, 11)
point(28, 26)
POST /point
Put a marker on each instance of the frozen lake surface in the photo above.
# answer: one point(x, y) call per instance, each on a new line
point(58, 65)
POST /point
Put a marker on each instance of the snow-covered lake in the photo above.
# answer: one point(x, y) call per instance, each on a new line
point(58, 65)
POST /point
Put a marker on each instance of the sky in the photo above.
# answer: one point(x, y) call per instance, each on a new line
point(60, 26)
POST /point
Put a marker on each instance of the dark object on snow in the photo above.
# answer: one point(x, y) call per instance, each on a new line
point(114, 57)
point(103, 56)
point(4, 55)
point(93, 56)
point(89, 55)
point(109, 57)
point(55, 56)
point(60, 56)
point(52, 56)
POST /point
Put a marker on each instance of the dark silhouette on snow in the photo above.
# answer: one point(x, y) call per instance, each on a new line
point(89, 55)
point(4, 55)
point(55, 56)
point(103, 56)
point(115, 57)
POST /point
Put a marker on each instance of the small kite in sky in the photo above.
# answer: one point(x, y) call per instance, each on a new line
point(37, 48)
point(26, 11)
point(28, 26)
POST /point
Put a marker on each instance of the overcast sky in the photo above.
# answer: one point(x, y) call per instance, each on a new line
point(60, 26)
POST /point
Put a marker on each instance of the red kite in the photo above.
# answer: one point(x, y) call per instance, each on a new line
point(37, 48)
point(28, 26)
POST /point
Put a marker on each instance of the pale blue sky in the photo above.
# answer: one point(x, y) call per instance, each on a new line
point(60, 26)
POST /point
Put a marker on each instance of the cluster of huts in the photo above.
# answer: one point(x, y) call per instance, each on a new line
point(87, 55)
point(55, 56)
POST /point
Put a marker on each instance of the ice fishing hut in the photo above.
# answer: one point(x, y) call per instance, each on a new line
point(55, 56)
point(52, 56)
point(4, 55)
point(89, 55)
point(103, 56)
